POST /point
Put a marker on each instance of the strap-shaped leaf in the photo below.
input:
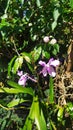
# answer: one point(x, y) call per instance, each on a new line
point(15, 102)
point(15, 91)
point(21, 88)
point(35, 115)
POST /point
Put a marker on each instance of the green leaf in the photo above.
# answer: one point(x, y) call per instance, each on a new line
point(71, 3)
point(11, 90)
point(10, 65)
point(56, 15)
point(3, 125)
point(56, 49)
point(56, 46)
point(60, 114)
point(21, 88)
point(35, 115)
point(54, 52)
point(69, 109)
point(53, 125)
point(45, 54)
point(15, 102)
point(30, 119)
point(54, 24)
point(36, 53)
point(26, 56)
point(38, 3)
point(17, 64)
point(8, 1)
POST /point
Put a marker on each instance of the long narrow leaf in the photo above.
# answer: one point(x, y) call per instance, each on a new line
point(39, 117)
point(10, 65)
point(30, 119)
point(14, 90)
point(16, 102)
point(35, 115)
point(21, 88)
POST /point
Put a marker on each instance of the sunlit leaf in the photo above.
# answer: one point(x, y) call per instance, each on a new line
point(15, 102)
point(15, 91)
point(56, 15)
point(11, 90)
point(69, 109)
point(8, 1)
point(60, 114)
point(26, 56)
point(71, 3)
point(17, 64)
point(38, 3)
point(35, 115)
point(21, 88)
point(36, 53)
point(53, 125)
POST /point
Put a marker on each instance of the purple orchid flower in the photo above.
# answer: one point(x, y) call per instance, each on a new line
point(24, 78)
point(49, 68)
point(20, 73)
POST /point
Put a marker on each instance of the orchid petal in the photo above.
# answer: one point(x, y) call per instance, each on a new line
point(20, 73)
point(55, 63)
point(51, 59)
point(51, 71)
point(44, 71)
point(22, 80)
point(42, 63)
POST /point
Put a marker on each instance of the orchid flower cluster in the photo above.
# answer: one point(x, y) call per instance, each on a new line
point(47, 68)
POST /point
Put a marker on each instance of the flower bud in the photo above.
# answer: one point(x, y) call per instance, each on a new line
point(46, 39)
point(53, 41)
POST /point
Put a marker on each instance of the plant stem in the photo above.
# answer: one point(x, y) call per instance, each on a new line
point(51, 90)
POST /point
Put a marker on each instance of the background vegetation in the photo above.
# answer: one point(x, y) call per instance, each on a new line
point(23, 25)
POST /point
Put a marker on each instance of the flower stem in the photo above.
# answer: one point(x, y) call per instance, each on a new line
point(39, 87)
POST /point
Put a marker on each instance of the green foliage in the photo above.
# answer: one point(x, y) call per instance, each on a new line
point(56, 15)
point(18, 64)
point(20, 88)
point(8, 118)
point(23, 25)
point(71, 3)
point(35, 116)
point(36, 53)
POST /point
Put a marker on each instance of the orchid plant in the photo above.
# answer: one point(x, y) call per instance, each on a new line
point(41, 64)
